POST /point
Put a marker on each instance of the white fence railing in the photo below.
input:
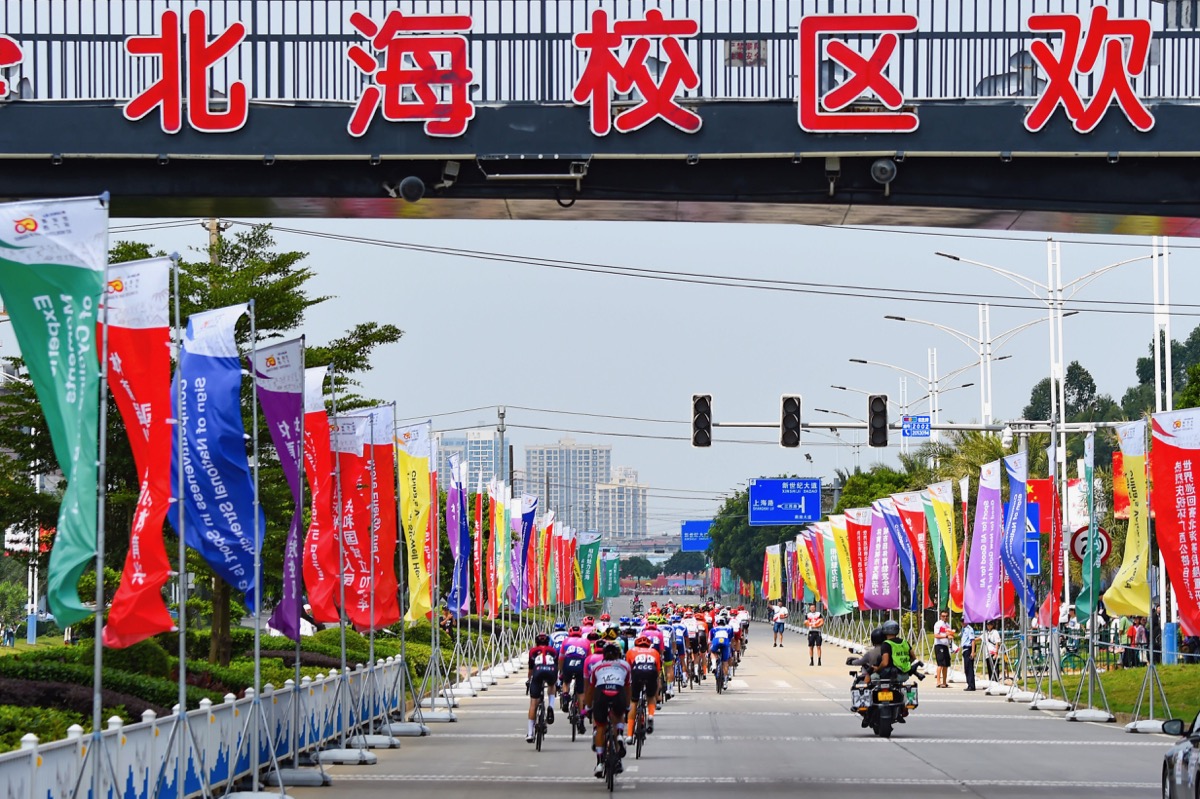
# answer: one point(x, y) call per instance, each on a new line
point(139, 752)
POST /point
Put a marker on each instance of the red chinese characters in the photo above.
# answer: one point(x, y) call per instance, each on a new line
point(1121, 45)
point(825, 113)
point(605, 73)
point(10, 56)
point(439, 62)
point(167, 93)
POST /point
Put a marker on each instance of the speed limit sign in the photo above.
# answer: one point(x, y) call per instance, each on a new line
point(1079, 544)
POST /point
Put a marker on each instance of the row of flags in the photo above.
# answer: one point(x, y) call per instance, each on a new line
point(858, 559)
point(369, 480)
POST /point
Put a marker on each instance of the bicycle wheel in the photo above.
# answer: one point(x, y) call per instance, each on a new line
point(539, 724)
point(610, 754)
point(639, 727)
point(1073, 663)
point(573, 717)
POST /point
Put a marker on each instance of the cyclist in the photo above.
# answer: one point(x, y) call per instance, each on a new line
point(628, 634)
point(597, 655)
point(743, 620)
point(587, 625)
point(603, 625)
point(722, 645)
point(608, 694)
point(559, 635)
point(571, 655)
point(543, 674)
point(703, 622)
point(679, 640)
point(645, 664)
point(691, 629)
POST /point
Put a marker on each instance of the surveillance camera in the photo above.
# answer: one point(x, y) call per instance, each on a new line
point(883, 171)
point(412, 188)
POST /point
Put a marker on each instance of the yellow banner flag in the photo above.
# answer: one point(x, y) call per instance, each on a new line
point(774, 573)
point(1129, 594)
point(807, 571)
point(942, 497)
point(841, 539)
point(413, 448)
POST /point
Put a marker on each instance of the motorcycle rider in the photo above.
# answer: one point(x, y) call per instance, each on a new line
point(897, 663)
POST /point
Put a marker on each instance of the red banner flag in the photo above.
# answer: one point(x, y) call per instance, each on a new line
point(477, 551)
point(380, 424)
point(1173, 495)
point(139, 375)
point(353, 521)
point(858, 531)
point(911, 509)
point(320, 544)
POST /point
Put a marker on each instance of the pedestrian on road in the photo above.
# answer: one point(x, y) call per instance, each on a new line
point(814, 621)
point(943, 633)
point(779, 616)
point(969, 643)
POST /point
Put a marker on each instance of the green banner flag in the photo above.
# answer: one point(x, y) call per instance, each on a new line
point(610, 578)
point(837, 604)
point(939, 553)
point(52, 261)
point(1085, 603)
point(589, 564)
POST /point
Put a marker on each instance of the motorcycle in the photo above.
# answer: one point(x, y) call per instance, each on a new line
point(882, 701)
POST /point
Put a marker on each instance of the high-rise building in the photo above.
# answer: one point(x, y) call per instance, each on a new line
point(480, 448)
point(621, 505)
point(574, 470)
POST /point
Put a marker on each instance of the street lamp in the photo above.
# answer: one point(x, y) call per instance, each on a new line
point(1054, 289)
point(932, 382)
point(986, 345)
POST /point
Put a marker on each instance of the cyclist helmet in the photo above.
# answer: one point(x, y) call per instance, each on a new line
point(575, 629)
point(641, 640)
point(891, 627)
point(623, 620)
point(541, 639)
point(639, 622)
point(612, 652)
point(652, 625)
point(629, 632)
point(687, 614)
point(560, 625)
point(605, 617)
point(593, 636)
point(589, 620)
point(676, 618)
point(598, 647)
point(610, 634)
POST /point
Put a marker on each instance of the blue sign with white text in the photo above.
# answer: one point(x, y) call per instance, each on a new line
point(1033, 557)
point(784, 501)
point(914, 426)
point(695, 535)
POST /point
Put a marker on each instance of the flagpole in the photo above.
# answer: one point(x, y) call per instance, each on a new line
point(181, 578)
point(101, 497)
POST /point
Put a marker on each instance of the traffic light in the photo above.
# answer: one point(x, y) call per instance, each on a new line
point(877, 420)
point(789, 421)
point(702, 420)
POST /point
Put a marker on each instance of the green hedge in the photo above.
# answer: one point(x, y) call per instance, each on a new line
point(157, 691)
point(47, 724)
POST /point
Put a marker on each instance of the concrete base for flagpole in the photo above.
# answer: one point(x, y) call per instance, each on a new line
point(374, 741)
point(405, 729)
point(1145, 726)
point(1022, 696)
point(1091, 714)
point(297, 778)
point(446, 700)
point(255, 795)
point(347, 757)
point(997, 689)
point(1049, 704)
point(956, 676)
point(435, 716)
point(461, 689)
point(478, 683)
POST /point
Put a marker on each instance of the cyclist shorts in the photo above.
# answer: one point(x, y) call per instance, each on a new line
point(724, 650)
point(575, 674)
point(603, 705)
point(647, 683)
point(540, 681)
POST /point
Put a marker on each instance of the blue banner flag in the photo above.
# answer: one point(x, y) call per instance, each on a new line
point(908, 560)
point(218, 492)
point(1012, 545)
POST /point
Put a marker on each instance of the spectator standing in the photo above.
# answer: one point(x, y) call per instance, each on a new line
point(1128, 651)
point(1141, 641)
point(779, 616)
point(969, 642)
point(943, 634)
point(992, 640)
point(814, 621)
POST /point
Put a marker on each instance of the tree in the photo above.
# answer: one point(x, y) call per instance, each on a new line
point(1189, 397)
point(863, 488)
point(681, 562)
point(638, 566)
point(1080, 388)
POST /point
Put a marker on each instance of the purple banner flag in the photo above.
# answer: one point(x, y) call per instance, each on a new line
point(882, 591)
point(279, 374)
point(1012, 550)
point(459, 535)
point(981, 593)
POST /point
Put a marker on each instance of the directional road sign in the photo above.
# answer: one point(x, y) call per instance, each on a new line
point(914, 426)
point(1033, 557)
point(695, 535)
point(784, 501)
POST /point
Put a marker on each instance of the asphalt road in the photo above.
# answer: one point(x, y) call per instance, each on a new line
point(782, 729)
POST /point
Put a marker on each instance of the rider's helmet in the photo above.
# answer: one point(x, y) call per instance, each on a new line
point(589, 620)
point(612, 652)
point(641, 641)
point(877, 636)
point(623, 620)
point(628, 632)
point(599, 646)
point(687, 614)
point(610, 634)
point(560, 625)
point(575, 630)
point(651, 625)
point(593, 636)
point(605, 617)
point(542, 639)
point(891, 627)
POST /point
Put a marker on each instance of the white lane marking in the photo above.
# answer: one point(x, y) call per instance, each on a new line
point(840, 739)
point(1068, 785)
point(739, 684)
point(782, 683)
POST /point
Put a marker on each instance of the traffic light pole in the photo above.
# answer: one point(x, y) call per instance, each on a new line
point(1018, 424)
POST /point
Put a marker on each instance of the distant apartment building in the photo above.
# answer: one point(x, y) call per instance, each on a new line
point(573, 470)
point(481, 450)
point(621, 506)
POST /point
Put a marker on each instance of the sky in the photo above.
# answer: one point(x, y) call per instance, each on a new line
point(481, 332)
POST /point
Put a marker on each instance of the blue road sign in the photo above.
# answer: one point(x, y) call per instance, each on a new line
point(694, 535)
point(914, 426)
point(1033, 557)
point(784, 501)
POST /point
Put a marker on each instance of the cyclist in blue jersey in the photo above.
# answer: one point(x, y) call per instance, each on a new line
point(721, 637)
